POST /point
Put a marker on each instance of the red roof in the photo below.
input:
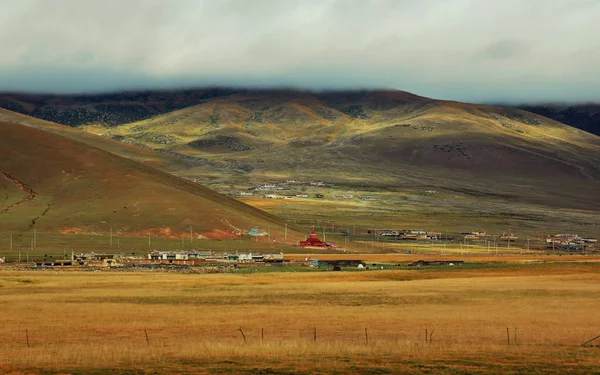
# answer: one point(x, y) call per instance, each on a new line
point(313, 240)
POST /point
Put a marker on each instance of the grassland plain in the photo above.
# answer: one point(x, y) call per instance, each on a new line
point(371, 322)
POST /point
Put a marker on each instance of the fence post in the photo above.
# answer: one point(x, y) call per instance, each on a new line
point(425, 335)
point(507, 336)
point(27, 337)
point(147, 339)
point(242, 332)
point(262, 334)
point(366, 337)
point(315, 334)
point(588, 341)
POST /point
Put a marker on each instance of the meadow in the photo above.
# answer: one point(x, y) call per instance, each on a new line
point(524, 315)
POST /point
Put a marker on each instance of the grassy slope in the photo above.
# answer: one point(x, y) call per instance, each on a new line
point(494, 168)
point(401, 132)
point(84, 189)
point(499, 161)
point(131, 152)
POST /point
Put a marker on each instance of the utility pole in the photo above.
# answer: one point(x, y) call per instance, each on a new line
point(148, 239)
point(323, 234)
point(286, 231)
point(191, 235)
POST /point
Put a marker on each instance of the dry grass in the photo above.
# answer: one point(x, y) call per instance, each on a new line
point(94, 322)
point(81, 189)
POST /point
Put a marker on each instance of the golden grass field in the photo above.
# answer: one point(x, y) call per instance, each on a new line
point(96, 322)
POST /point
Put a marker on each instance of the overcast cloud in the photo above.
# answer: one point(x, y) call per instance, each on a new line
point(471, 50)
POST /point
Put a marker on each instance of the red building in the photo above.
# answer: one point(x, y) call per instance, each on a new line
point(313, 241)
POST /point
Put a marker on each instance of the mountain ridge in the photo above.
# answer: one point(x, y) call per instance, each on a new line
point(494, 160)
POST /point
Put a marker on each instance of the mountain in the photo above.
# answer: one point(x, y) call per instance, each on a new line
point(110, 109)
point(582, 116)
point(57, 184)
point(377, 133)
point(428, 163)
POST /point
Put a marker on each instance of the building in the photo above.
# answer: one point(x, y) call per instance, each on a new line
point(268, 187)
point(508, 237)
point(421, 263)
point(273, 196)
point(178, 255)
point(313, 241)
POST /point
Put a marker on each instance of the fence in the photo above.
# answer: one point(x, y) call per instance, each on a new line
point(165, 336)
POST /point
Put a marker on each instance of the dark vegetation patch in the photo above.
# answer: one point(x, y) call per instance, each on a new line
point(162, 139)
point(327, 114)
point(454, 148)
point(11, 105)
point(108, 114)
point(356, 111)
point(109, 109)
point(306, 143)
point(116, 137)
point(520, 117)
point(214, 118)
point(257, 116)
point(195, 161)
point(414, 126)
point(584, 117)
point(233, 143)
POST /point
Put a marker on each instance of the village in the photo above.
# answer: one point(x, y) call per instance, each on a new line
point(293, 189)
point(227, 261)
point(193, 261)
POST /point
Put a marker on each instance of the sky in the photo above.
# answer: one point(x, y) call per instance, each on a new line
point(469, 50)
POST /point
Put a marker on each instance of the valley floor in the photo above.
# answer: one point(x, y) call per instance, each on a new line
point(510, 319)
